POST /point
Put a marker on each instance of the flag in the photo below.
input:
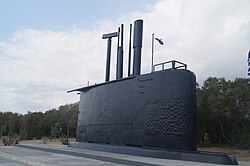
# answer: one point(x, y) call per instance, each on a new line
point(248, 63)
point(159, 40)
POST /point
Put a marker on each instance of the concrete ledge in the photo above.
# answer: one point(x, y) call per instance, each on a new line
point(21, 160)
point(205, 157)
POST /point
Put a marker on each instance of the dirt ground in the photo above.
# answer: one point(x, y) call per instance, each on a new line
point(39, 141)
point(46, 141)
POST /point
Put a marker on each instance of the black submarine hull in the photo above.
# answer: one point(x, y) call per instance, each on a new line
point(156, 111)
point(151, 110)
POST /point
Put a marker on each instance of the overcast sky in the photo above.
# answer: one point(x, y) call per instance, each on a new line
point(49, 47)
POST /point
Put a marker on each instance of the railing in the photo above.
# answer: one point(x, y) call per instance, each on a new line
point(174, 65)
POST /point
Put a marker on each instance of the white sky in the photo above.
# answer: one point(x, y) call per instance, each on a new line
point(38, 65)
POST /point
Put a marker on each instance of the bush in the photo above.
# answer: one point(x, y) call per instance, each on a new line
point(64, 141)
point(9, 140)
point(245, 140)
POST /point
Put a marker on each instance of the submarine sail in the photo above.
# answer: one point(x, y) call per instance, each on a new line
point(157, 109)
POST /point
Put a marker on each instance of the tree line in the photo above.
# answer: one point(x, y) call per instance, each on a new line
point(53, 123)
point(223, 116)
point(223, 112)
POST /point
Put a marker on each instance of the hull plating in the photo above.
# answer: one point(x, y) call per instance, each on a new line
point(151, 110)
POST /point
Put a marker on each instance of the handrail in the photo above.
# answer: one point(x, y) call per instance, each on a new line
point(173, 66)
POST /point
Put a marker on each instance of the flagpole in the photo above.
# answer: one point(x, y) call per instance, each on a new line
point(152, 67)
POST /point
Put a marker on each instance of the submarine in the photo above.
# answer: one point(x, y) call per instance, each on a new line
point(149, 112)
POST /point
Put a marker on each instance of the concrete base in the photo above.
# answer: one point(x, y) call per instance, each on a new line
point(50, 155)
point(196, 156)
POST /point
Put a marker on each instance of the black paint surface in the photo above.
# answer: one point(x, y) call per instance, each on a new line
point(151, 110)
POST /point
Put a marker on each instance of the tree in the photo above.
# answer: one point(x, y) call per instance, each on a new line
point(223, 110)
